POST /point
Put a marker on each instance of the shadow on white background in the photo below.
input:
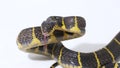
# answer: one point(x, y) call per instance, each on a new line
point(39, 57)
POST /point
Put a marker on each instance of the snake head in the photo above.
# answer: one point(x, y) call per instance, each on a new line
point(31, 37)
point(81, 24)
point(24, 38)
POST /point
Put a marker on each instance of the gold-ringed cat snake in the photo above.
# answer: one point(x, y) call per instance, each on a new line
point(46, 39)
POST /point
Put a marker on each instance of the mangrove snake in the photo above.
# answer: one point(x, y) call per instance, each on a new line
point(47, 40)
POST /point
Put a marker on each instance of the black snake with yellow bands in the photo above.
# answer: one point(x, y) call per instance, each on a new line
point(46, 40)
point(53, 30)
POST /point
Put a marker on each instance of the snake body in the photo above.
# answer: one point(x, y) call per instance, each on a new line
point(46, 40)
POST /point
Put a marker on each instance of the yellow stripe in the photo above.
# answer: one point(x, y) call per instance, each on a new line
point(76, 21)
point(53, 51)
point(110, 54)
point(33, 33)
point(116, 65)
point(63, 24)
point(19, 45)
point(103, 67)
point(36, 50)
point(35, 42)
point(75, 29)
point(79, 60)
point(52, 39)
point(59, 59)
point(53, 67)
point(97, 59)
point(117, 41)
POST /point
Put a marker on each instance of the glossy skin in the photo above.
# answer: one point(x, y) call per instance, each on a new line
point(106, 57)
point(53, 30)
point(46, 40)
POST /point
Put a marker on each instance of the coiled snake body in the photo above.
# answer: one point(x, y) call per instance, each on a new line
point(46, 40)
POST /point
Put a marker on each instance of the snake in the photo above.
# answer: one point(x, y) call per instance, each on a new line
point(46, 40)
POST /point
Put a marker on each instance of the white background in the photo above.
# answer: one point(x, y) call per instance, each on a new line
point(102, 18)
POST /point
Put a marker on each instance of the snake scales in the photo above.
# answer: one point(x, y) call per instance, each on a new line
point(46, 39)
